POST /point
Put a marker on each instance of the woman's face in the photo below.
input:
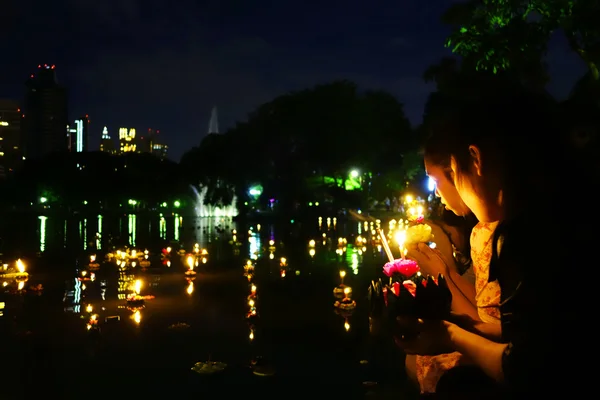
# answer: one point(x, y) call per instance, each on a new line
point(475, 189)
point(445, 189)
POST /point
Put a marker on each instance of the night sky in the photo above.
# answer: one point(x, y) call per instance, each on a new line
point(164, 64)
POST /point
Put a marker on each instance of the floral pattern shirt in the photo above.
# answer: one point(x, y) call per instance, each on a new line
point(431, 368)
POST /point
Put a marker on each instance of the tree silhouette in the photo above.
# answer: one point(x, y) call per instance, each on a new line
point(513, 34)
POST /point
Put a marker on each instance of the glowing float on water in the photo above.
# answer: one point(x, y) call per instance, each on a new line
point(191, 262)
point(18, 273)
point(93, 264)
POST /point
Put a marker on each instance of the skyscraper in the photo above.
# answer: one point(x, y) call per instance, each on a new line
point(127, 142)
point(213, 124)
point(77, 135)
point(10, 135)
point(45, 114)
point(106, 143)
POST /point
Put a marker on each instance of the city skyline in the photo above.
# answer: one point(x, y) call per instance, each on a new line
point(152, 65)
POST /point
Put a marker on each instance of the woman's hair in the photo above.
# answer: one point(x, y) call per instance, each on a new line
point(517, 135)
point(436, 152)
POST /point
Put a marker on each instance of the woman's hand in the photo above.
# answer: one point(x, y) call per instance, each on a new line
point(443, 242)
point(432, 338)
point(430, 260)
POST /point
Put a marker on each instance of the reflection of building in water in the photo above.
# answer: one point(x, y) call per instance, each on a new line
point(125, 280)
point(43, 220)
point(162, 227)
point(132, 226)
point(99, 234)
point(352, 258)
point(83, 232)
point(72, 297)
point(178, 221)
point(254, 248)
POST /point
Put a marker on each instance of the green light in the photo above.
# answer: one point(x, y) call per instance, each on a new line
point(43, 200)
point(177, 204)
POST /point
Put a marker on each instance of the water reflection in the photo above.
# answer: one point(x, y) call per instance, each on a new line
point(132, 228)
point(99, 233)
point(83, 232)
point(43, 219)
point(206, 275)
point(177, 227)
point(162, 227)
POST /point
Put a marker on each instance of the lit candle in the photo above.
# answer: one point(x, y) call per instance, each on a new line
point(342, 275)
point(401, 239)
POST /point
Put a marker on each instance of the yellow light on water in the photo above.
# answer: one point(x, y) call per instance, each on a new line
point(137, 286)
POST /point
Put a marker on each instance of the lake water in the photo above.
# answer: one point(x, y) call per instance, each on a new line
point(149, 351)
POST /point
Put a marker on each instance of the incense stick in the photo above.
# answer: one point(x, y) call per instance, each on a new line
point(386, 245)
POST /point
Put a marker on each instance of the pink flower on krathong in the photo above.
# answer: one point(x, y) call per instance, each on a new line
point(406, 268)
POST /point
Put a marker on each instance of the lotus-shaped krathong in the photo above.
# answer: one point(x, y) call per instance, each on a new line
point(427, 298)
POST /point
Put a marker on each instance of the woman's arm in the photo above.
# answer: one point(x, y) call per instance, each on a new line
point(486, 354)
point(463, 286)
point(489, 331)
point(463, 295)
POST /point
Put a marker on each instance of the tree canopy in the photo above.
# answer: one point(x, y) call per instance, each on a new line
point(513, 34)
point(321, 132)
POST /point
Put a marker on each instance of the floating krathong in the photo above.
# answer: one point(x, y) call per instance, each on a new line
point(93, 264)
point(209, 367)
point(18, 272)
point(347, 304)
point(342, 291)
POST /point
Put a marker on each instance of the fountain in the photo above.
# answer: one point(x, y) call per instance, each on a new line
point(209, 210)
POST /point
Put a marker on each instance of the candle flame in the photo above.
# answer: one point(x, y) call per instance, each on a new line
point(20, 266)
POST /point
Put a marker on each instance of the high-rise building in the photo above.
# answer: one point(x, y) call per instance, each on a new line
point(45, 114)
point(213, 124)
point(106, 143)
point(145, 143)
point(127, 141)
point(10, 135)
point(160, 150)
point(77, 135)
